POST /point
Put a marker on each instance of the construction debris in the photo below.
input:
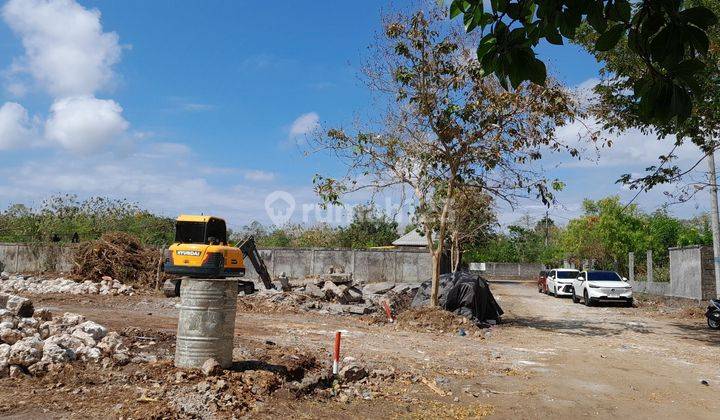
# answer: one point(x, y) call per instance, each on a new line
point(120, 256)
point(38, 285)
point(34, 342)
point(332, 294)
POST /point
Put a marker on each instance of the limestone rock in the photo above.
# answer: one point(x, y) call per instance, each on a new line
point(72, 319)
point(314, 291)
point(86, 338)
point(10, 336)
point(95, 330)
point(112, 343)
point(377, 288)
point(92, 354)
point(4, 353)
point(352, 373)
point(26, 352)
point(53, 353)
point(211, 367)
point(19, 306)
point(16, 371)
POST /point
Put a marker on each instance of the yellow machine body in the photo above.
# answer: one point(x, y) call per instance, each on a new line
point(201, 249)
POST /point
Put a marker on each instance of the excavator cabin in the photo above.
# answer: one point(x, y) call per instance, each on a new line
point(201, 249)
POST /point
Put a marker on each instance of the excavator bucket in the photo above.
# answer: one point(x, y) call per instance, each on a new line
point(249, 250)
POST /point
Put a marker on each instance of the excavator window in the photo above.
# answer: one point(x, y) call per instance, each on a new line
point(190, 232)
point(216, 229)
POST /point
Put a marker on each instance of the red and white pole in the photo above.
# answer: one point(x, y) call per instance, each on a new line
point(388, 311)
point(336, 355)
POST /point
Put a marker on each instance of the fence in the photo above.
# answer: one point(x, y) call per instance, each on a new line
point(689, 273)
point(367, 265)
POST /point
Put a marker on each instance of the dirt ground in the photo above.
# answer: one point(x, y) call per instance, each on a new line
point(549, 358)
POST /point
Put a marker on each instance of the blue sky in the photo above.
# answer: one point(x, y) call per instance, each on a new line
point(197, 106)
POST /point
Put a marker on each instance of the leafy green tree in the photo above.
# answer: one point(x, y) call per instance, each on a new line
point(369, 229)
point(668, 39)
point(618, 110)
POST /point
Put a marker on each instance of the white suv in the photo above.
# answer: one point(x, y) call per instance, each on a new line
point(601, 286)
point(560, 281)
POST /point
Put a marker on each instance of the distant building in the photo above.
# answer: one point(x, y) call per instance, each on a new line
point(412, 239)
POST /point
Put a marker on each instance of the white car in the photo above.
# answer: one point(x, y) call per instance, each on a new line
point(560, 281)
point(601, 286)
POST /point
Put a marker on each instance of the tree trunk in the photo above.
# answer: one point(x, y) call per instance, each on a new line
point(455, 254)
point(436, 256)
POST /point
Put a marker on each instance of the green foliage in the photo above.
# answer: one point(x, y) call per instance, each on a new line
point(669, 39)
point(62, 216)
point(367, 229)
point(605, 233)
point(618, 109)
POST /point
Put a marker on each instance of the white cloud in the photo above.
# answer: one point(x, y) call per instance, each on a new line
point(165, 178)
point(17, 129)
point(66, 50)
point(85, 124)
point(69, 56)
point(302, 126)
point(259, 176)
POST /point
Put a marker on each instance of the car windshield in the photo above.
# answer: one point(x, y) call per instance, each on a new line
point(603, 275)
point(568, 274)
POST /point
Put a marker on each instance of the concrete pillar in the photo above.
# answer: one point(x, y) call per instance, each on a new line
point(312, 262)
point(17, 258)
point(631, 266)
point(352, 262)
point(649, 265)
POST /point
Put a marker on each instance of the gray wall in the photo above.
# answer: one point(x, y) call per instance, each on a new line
point(692, 275)
point(394, 265)
point(34, 257)
point(519, 271)
point(407, 266)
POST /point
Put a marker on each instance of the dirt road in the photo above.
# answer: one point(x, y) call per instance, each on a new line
point(549, 359)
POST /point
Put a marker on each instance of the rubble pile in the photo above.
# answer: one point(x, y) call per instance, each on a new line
point(34, 342)
point(120, 256)
point(264, 372)
point(38, 285)
point(333, 293)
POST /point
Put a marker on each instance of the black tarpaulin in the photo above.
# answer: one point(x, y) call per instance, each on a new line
point(463, 293)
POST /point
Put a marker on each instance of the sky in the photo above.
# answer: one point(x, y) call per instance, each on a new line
point(204, 107)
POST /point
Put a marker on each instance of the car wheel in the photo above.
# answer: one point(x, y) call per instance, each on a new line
point(713, 324)
point(629, 303)
point(588, 301)
point(575, 298)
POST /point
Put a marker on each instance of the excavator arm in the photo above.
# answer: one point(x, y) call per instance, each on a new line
point(249, 250)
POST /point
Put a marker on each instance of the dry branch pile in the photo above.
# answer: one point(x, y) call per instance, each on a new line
point(120, 256)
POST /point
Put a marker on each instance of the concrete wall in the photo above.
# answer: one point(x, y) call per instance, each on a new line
point(516, 271)
point(407, 266)
point(394, 265)
point(692, 275)
point(34, 257)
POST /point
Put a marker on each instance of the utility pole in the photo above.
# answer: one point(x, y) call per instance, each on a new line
point(546, 227)
point(714, 218)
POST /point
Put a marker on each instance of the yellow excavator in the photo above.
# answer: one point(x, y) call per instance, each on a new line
point(201, 250)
